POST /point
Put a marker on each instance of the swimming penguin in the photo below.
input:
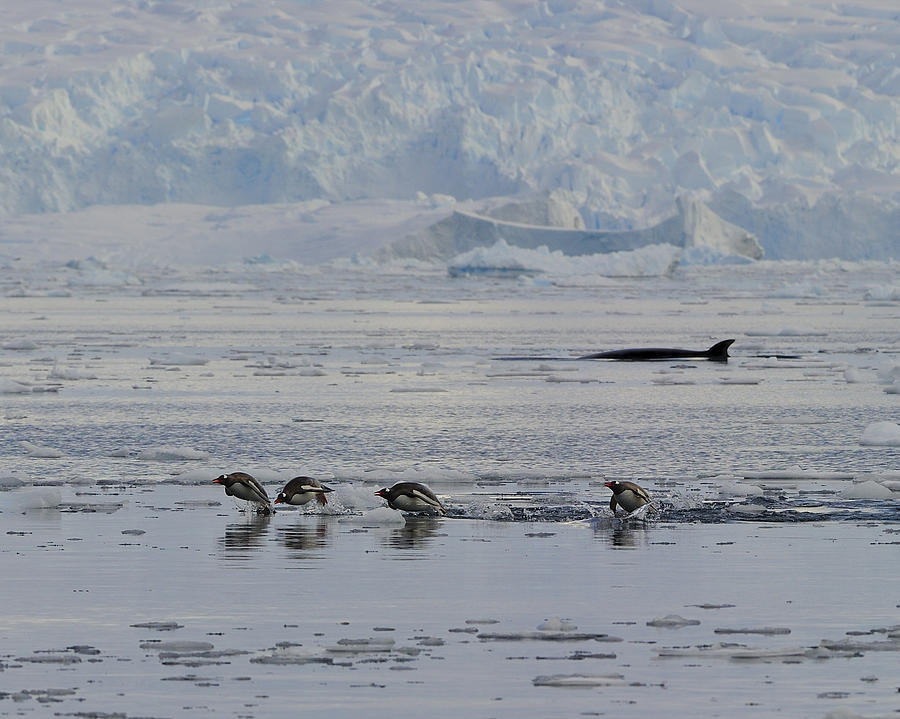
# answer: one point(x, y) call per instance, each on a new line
point(411, 497)
point(243, 486)
point(301, 490)
point(627, 495)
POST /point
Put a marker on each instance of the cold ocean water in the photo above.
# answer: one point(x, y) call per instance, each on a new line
point(765, 584)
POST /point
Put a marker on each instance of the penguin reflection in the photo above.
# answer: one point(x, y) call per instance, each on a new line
point(620, 535)
point(243, 538)
point(416, 533)
point(303, 539)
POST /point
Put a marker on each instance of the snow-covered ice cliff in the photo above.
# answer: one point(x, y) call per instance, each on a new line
point(781, 117)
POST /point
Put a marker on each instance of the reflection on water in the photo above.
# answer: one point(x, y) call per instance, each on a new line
point(416, 533)
point(303, 538)
point(243, 538)
point(621, 534)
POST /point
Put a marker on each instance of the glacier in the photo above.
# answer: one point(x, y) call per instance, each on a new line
point(304, 121)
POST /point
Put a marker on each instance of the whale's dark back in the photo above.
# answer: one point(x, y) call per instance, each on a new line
point(717, 353)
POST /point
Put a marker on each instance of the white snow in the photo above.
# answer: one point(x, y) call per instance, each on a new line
point(164, 133)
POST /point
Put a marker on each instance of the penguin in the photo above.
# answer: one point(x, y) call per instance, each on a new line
point(301, 490)
point(411, 497)
point(243, 486)
point(627, 495)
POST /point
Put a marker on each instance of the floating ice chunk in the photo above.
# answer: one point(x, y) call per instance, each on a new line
point(170, 453)
point(870, 489)
point(733, 651)
point(20, 345)
point(35, 499)
point(854, 645)
point(854, 375)
point(178, 647)
point(673, 380)
point(51, 659)
point(290, 656)
point(547, 636)
point(555, 624)
point(881, 434)
point(178, 360)
point(158, 626)
point(358, 497)
point(40, 451)
point(579, 680)
point(740, 380)
point(672, 621)
point(735, 488)
point(883, 293)
point(377, 644)
point(312, 372)
point(13, 386)
point(10, 481)
point(70, 373)
point(768, 631)
point(889, 373)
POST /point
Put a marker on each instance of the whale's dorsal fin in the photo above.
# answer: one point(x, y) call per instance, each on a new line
point(719, 351)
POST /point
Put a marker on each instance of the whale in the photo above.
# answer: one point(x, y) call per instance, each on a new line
point(717, 353)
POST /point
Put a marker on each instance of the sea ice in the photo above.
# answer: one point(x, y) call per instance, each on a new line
point(377, 644)
point(10, 481)
point(171, 453)
point(70, 373)
point(579, 680)
point(13, 386)
point(177, 646)
point(869, 489)
point(179, 360)
point(672, 621)
point(40, 451)
point(734, 488)
point(881, 434)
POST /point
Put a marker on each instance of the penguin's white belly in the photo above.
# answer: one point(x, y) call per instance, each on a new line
point(244, 492)
point(301, 498)
point(406, 503)
point(629, 500)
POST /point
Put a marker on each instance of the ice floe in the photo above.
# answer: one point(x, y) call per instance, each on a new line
point(172, 453)
point(32, 449)
point(881, 434)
